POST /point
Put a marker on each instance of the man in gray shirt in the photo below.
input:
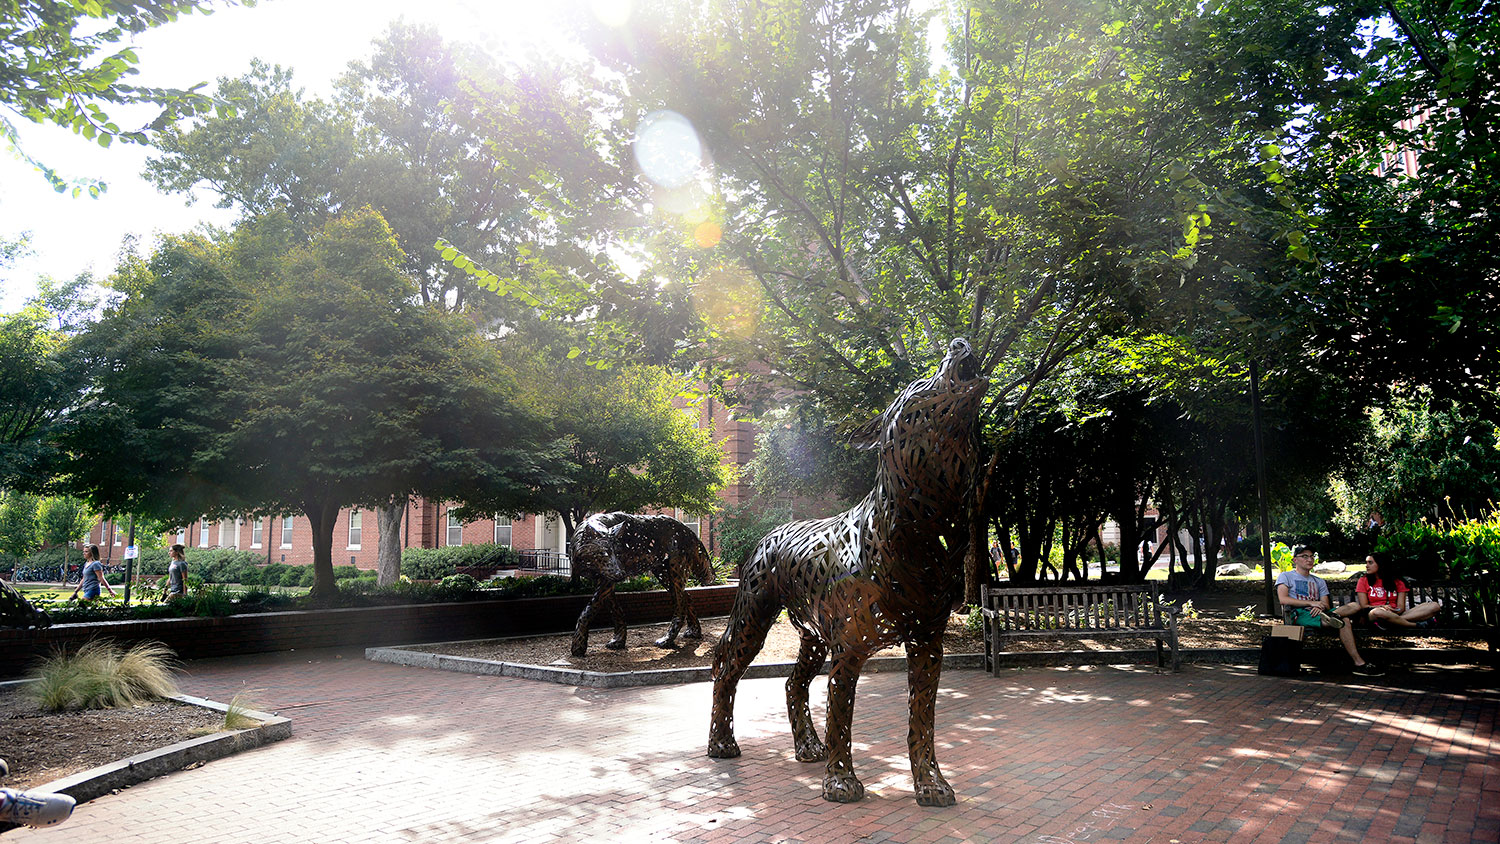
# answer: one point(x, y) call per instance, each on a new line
point(1306, 596)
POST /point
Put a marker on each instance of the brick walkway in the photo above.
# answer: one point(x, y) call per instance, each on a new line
point(385, 753)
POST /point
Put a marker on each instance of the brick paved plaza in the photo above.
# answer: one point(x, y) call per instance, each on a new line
point(384, 753)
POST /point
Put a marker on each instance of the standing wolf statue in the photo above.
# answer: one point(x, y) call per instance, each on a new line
point(886, 571)
point(611, 547)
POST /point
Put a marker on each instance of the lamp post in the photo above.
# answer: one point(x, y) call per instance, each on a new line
point(1260, 485)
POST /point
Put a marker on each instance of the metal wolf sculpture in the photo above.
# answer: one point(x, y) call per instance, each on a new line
point(886, 571)
point(611, 547)
point(16, 611)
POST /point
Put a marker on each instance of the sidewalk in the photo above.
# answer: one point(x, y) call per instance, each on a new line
point(384, 753)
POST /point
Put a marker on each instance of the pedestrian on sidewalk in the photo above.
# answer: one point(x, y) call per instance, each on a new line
point(93, 577)
point(1306, 596)
point(177, 574)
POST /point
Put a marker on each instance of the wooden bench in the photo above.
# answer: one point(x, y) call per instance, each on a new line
point(1465, 615)
point(1079, 612)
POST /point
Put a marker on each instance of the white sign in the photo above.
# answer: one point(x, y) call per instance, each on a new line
point(132, 552)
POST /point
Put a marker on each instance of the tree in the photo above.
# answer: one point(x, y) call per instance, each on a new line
point(56, 68)
point(63, 520)
point(40, 378)
point(1388, 276)
point(629, 450)
point(397, 137)
point(258, 373)
point(1421, 458)
point(18, 528)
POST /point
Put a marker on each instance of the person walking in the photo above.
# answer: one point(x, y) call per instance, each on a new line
point(93, 577)
point(177, 574)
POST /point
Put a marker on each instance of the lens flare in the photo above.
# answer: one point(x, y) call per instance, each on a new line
point(708, 234)
point(612, 13)
point(729, 301)
point(667, 149)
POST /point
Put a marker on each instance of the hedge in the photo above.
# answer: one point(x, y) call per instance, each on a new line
point(438, 563)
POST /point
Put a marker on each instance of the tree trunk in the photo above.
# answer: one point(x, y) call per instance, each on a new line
point(322, 516)
point(388, 548)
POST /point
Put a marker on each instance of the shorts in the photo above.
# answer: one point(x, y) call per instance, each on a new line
point(1303, 616)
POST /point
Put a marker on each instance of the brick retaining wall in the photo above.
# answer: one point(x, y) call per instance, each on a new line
point(197, 638)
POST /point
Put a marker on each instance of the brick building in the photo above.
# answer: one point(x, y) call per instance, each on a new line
point(427, 523)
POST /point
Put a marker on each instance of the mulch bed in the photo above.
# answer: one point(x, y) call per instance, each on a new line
point(42, 746)
point(782, 643)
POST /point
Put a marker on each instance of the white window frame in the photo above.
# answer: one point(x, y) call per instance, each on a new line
point(182, 535)
point(116, 528)
point(257, 531)
point(694, 522)
point(203, 532)
point(286, 530)
point(504, 531)
point(234, 536)
point(356, 529)
point(451, 524)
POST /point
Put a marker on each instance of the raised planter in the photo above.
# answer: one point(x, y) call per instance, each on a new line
point(197, 638)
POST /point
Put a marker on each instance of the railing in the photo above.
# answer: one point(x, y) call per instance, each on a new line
point(547, 562)
point(534, 560)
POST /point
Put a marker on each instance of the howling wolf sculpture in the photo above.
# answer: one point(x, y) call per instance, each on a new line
point(886, 571)
point(610, 547)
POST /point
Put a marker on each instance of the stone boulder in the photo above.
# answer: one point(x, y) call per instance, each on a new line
point(1330, 567)
point(1233, 570)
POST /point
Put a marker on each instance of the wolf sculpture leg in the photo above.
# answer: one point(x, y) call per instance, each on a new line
point(840, 785)
point(682, 610)
point(580, 644)
point(742, 640)
point(809, 659)
point(924, 665)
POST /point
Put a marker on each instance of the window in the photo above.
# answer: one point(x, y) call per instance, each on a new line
point(455, 530)
point(286, 531)
point(182, 536)
point(228, 536)
point(691, 521)
point(502, 531)
point(355, 518)
point(116, 529)
point(203, 533)
point(257, 530)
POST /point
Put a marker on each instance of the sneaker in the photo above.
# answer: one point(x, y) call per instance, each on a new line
point(1369, 669)
point(1331, 620)
point(34, 808)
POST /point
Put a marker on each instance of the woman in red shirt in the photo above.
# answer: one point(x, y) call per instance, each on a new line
point(1381, 594)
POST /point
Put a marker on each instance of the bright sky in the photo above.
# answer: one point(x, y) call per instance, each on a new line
point(317, 38)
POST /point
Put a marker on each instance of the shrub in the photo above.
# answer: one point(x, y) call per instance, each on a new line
point(742, 526)
point(220, 565)
point(99, 676)
point(292, 576)
point(1468, 550)
point(438, 563)
point(459, 583)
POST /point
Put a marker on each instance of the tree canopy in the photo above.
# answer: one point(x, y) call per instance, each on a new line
point(63, 64)
point(259, 373)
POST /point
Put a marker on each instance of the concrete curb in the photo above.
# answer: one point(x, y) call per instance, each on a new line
point(672, 676)
point(96, 782)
